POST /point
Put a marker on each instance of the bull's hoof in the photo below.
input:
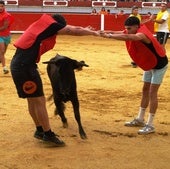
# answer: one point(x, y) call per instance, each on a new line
point(83, 136)
point(65, 125)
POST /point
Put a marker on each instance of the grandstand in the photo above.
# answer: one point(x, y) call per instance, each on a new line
point(80, 6)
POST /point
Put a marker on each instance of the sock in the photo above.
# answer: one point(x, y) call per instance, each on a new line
point(39, 128)
point(150, 119)
point(5, 68)
point(141, 113)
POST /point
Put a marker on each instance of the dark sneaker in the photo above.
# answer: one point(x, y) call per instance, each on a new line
point(53, 140)
point(135, 123)
point(134, 65)
point(39, 135)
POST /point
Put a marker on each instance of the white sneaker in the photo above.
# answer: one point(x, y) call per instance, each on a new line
point(146, 130)
point(135, 123)
point(5, 70)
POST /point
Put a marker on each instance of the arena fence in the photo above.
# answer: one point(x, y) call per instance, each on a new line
point(99, 22)
point(80, 3)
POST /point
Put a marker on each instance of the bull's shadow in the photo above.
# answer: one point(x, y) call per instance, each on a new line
point(60, 71)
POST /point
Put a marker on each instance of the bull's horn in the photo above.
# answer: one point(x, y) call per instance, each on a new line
point(84, 64)
point(47, 62)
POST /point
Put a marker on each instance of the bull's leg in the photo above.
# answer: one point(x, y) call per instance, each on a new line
point(75, 104)
point(60, 111)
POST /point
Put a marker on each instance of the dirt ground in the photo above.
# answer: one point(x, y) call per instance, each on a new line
point(109, 92)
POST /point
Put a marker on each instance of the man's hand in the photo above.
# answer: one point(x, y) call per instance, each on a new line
point(152, 17)
point(105, 35)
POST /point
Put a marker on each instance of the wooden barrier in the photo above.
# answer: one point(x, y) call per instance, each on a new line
point(111, 22)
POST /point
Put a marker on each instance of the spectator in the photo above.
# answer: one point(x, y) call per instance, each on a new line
point(135, 12)
point(149, 14)
point(5, 38)
point(94, 12)
point(103, 11)
point(162, 24)
point(108, 12)
point(120, 13)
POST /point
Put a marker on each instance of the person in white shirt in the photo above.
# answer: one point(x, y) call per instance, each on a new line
point(161, 24)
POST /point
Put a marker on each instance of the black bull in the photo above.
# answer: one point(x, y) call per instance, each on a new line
point(60, 71)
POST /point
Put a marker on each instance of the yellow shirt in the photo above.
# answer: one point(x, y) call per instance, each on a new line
point(138, 16)
point(165, 26)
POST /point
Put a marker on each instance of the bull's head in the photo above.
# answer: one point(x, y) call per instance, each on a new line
point(80, 65)
point(76, 64)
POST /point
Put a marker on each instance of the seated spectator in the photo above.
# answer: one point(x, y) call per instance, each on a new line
point(149, 14)
point(108, 12)
point(120, 13)
point(94, 12)
point(103, 11)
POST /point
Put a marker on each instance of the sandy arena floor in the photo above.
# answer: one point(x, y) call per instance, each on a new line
point(109, 93)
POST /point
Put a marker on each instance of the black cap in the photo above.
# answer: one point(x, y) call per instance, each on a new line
point(133, 20)
point(60, 19)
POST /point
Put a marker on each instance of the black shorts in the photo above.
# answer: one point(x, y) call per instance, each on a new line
point(27, 81)
point(162, 37)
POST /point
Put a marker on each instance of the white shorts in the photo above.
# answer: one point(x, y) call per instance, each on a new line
point(154, 76)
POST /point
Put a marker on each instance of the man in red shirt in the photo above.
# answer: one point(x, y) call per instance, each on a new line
point(150, 56)
point(37, 39)
point(5, 38)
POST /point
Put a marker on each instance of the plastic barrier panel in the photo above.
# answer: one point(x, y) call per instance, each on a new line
point(11, 2)
point(151, 4)
point(104, 3)
point(55, 3)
